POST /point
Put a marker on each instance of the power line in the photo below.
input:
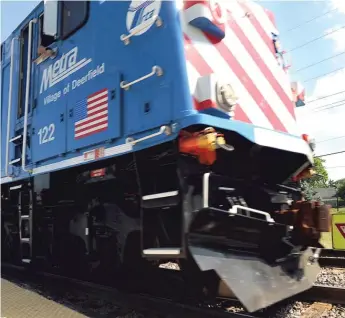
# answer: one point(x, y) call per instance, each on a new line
point(318, 38)
point(334, 138)
point(329, 108)
point(324, 107)
point(316, 63)
point(316, 77)
point(323, 97)
point(330, 154)
point(320, 110)
point(335, 167)
point(330, 104)
point(305, 22)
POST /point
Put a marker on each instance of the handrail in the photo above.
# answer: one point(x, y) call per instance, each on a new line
point(125, 38)
point(234, 210)
point(155, 70)
point(27, 95)
point(162, 130)
point(9, 107)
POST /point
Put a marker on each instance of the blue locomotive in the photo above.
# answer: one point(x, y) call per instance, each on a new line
point(155, 130)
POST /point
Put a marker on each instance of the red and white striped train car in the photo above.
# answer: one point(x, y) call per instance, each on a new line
point(238, 44)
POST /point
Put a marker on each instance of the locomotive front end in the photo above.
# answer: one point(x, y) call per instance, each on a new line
point(244, 224)
point(243, 221)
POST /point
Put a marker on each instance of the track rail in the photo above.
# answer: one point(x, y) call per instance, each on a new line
point(145, 301)
point(332, 258)
point(136, 301)
point(324, 294)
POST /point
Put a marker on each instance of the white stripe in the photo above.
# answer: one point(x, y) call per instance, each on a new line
point(91, 130)
point(193, 76)
point(98, 102)
point(57, 78)
point(162, 251)
point(221, 68)
point(197, 11)
point(282, 141)
point(80, 159)
point(160, 195)
point(70, 71)
point(6, 179)
point(260, 47)
point(262, 17)
point(259, 80)
point(16, 187)
point(97, 96)
point(91, 123)
point(92, 117)
point(97, 109)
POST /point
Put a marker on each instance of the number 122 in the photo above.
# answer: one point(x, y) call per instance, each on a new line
point(46, 134)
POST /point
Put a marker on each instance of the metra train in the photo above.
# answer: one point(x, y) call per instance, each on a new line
point(138, 132)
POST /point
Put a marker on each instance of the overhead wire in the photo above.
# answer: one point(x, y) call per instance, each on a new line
point(318, 38)
point(323, 97)
point(308, 21)
point(336, 106)
point(316, 77)
point(331, 154)
point(318, 62)
point(335, 167)
point(330, 104)
point(334, 138)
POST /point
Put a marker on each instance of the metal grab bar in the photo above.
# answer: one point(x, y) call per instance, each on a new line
point(234, 210)
point(9, 108)
point(125, 38)
point(155, 70)
point(27, 95)
point(162, 130)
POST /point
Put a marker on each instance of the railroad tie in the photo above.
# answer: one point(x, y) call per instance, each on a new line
point(316, 310)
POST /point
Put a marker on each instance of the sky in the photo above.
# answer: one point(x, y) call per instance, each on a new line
point(323, 117)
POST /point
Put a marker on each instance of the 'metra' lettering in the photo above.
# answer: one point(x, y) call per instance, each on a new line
point(61, 66)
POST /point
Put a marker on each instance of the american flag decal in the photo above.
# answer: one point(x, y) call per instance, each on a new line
point(91, 114)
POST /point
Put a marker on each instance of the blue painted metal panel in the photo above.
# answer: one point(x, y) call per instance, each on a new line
point(95, 58)
point(48, 132)
point(6, 66)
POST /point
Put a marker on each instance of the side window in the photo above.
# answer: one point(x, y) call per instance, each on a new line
point(44, 40)
point(73, 15)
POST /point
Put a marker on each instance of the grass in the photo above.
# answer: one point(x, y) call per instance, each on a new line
point(326, 238)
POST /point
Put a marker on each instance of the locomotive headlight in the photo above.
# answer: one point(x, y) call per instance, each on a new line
point(226, 97)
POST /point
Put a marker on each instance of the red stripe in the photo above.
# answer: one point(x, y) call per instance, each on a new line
point(91, 133)
point(271, 16)
point(241, 115)
point(98, 111)
point(194, 57)
point(99, 92)
point(248, 84)
point(206, 104)
point(190, 3)
point(97, 99)
point(105, 121)
point(266, 38)
point(261, 64)
point(90, 120)
point(96, 106)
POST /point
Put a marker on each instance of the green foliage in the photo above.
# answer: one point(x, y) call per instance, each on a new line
point(341, 189)
point(319, 180)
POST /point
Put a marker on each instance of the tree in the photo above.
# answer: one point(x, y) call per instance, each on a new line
point(341, 189)
point(319, 180)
